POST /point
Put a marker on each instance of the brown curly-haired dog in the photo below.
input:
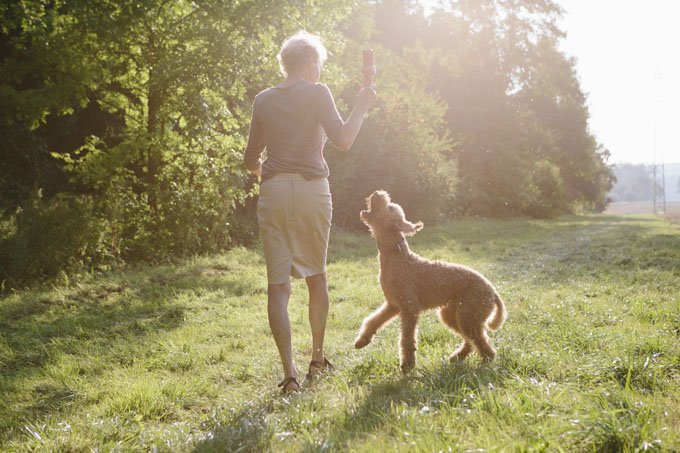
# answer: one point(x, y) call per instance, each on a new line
point(412, 284)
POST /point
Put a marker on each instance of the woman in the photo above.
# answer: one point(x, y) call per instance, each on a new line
point(292, 121)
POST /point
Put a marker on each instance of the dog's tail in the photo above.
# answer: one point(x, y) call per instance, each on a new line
point(499, 315)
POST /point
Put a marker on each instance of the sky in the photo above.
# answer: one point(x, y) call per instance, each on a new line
point(628, 62)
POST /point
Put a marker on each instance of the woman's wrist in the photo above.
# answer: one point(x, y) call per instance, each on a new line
point(257, 170)
point(367, 98)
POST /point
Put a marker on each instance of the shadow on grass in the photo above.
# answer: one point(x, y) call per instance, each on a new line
point(246, 429)
point(251, 428)
point(447, 386)
point(50, 339)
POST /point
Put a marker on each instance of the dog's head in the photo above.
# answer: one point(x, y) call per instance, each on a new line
point(383, 217)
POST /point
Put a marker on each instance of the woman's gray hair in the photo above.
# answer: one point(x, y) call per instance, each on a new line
point(298, 49)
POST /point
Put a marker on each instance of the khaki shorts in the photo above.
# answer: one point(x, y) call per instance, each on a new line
point(294, 216)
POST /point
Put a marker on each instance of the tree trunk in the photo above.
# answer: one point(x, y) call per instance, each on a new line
point(154, 126)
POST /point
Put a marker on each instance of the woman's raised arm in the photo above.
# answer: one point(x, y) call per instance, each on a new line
point(350, 129)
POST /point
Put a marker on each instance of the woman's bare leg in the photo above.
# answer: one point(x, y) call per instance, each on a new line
point(277, 309)
point(318, 312)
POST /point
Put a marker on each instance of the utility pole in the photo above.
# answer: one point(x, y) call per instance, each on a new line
point(654, 182)
point(663, 185)
point(658, 199)
point(659, 187)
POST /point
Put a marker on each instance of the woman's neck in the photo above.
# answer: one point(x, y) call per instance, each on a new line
point(296, 77)
point(291, 80)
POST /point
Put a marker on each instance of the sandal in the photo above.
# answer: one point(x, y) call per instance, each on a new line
point(289, 381)
point(316, 369)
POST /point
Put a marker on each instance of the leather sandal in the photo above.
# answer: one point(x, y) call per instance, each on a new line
point(289, 381)
point(317, 368)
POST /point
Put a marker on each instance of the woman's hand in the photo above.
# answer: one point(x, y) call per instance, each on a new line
point(257, 171)
point(367, 97)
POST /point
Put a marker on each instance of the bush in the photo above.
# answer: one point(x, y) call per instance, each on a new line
point(47, 237)
point(185, 207)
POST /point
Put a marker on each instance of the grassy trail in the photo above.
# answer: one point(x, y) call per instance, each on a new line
point(180, 358)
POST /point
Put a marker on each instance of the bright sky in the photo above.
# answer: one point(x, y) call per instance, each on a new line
point(628, 56)
point(628, 61)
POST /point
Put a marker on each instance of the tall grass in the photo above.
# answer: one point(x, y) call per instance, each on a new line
point(180, 358)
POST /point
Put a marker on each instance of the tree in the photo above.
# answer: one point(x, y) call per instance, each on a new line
point(41, 78)
point(514, 105)
point(167, 86)
point(130, 117)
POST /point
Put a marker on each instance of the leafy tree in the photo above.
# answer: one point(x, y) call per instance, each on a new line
point(40, 78)
point(168, 86)
point(514, 105)
point(129, 118)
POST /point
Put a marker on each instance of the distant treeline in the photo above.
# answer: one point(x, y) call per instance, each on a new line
point(635, 182)
point(124, 121)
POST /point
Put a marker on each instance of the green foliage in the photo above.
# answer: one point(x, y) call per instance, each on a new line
point(402, 148)
point(166, 88)
point(53, 237)
point(514, 105)
point(142, 108)
point(44, 77)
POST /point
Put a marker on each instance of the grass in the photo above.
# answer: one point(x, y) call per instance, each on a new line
point(180, 358)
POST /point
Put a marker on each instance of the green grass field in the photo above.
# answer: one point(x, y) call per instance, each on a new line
point(179, 357)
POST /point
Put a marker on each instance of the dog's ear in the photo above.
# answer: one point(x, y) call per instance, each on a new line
point(408, 228)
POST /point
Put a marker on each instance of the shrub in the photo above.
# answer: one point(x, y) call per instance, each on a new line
point(48, 236)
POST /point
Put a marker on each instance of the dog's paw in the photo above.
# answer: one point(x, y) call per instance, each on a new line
point(360, 342)
point(406, 367)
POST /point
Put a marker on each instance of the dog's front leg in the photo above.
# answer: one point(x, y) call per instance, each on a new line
point(373, 322)
point(408, 341)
